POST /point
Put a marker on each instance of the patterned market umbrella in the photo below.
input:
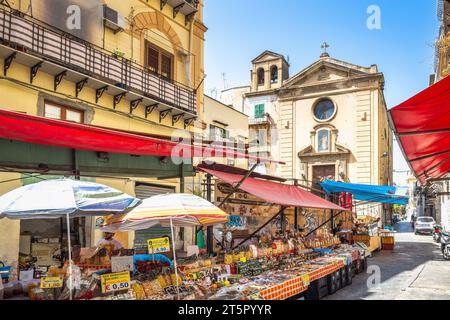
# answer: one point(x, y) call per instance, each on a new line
point(181, 209)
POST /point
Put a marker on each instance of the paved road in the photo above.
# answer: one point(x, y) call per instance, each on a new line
point(415, 270)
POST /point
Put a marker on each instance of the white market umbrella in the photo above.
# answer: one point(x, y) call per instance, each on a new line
point(52, 199)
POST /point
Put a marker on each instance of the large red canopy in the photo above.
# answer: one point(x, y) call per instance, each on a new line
point(422, 125)
point(40, 130)
point(276, 193)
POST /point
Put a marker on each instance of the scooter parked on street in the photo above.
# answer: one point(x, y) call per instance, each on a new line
point(445, 245)
point(437, 232)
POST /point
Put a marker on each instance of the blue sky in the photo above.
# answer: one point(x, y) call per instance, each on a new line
point(239, 30)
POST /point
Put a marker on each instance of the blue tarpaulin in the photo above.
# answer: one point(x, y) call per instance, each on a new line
point(364, 192)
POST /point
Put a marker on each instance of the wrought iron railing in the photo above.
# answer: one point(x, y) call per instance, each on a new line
point(265, 119)
point(35, 37)
point(193, 3)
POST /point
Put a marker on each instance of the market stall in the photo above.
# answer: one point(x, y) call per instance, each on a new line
point(56, 199)
point(368, 228)
point(283, 261)
point(270, 266)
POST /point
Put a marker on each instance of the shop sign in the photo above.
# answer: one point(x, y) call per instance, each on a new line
point(158, 245)
point(99, 222)
point(115, 282)
point(120, 264)
point(51, 282)
point(237, 222)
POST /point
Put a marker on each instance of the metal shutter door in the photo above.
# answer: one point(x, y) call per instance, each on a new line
point(144, 191)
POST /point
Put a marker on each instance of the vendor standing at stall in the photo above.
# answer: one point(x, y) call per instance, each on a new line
point(110, 244)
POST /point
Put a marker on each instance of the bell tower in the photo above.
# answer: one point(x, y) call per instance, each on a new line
point(270, 71)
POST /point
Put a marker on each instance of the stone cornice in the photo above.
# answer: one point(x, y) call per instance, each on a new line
point(328, 93)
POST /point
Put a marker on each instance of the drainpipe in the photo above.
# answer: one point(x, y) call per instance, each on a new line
point(189, 79)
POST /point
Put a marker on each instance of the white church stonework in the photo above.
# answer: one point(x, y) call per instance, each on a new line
point(330, 118)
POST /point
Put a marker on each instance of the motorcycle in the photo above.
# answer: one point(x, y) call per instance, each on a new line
point(437, 233)
point(445, 245)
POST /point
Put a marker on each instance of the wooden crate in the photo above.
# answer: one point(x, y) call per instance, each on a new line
point(387, 240)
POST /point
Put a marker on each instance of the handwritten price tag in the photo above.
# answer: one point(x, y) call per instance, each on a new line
point(158, 245)
point(51, 282)
point(115, 282)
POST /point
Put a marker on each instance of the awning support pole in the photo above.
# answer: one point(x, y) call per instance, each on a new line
point(296, 211)
point(260, 228)
point(182, 182)
point(282, 225)
point(333, 224)
point(333, 217)
point(236, 188)
point(69, 245)
point(174, 258)
point(209, 230)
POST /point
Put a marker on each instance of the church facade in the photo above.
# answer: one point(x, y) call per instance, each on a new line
point(330, 120)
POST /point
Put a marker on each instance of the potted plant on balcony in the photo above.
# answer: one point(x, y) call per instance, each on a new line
point(118, 54)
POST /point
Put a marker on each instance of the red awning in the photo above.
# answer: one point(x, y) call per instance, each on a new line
point(422, 125)
point(39, 130)
point(276, 193)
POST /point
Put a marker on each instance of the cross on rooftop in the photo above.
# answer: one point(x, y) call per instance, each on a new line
point(325, 54)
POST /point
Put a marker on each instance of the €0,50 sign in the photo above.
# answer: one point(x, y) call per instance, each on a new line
point(115, 282)
point(158, 245)
point(51, 283)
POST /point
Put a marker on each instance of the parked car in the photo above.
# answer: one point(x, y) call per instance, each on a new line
point(424, 225)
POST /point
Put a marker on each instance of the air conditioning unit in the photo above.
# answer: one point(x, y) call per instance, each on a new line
point(113, 19)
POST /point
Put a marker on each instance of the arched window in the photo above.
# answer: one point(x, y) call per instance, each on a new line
point(260, 74)
point(323, 140)
point(274, 74)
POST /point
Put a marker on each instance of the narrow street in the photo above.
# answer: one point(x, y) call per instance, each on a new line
point(415, 270)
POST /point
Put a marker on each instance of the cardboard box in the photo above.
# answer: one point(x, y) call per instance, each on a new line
point(25, 244)
point(44, 253)
point(92, 256)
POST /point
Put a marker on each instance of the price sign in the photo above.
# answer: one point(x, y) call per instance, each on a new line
point(158, 245)
point(115, 282)
point(51, 282)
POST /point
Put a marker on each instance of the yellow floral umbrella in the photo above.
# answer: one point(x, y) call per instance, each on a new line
point(182, 209)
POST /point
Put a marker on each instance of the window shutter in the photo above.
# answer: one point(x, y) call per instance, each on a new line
point(152, 59)
point(166, 66)
point(259, 111)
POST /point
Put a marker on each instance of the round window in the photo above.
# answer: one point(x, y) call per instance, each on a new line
point(324, 110)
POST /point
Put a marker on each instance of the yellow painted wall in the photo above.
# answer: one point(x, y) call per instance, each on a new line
point(17, 94)
point(9, 229)
point(236, 123)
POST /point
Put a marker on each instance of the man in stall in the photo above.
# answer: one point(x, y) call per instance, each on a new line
point(110, 244)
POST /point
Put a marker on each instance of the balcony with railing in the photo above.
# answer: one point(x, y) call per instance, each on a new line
point(187, 7)
point(265, 119)
point(30, 42)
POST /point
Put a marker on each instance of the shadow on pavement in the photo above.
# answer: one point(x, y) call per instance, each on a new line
point(399, 268)
point(404, 227)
